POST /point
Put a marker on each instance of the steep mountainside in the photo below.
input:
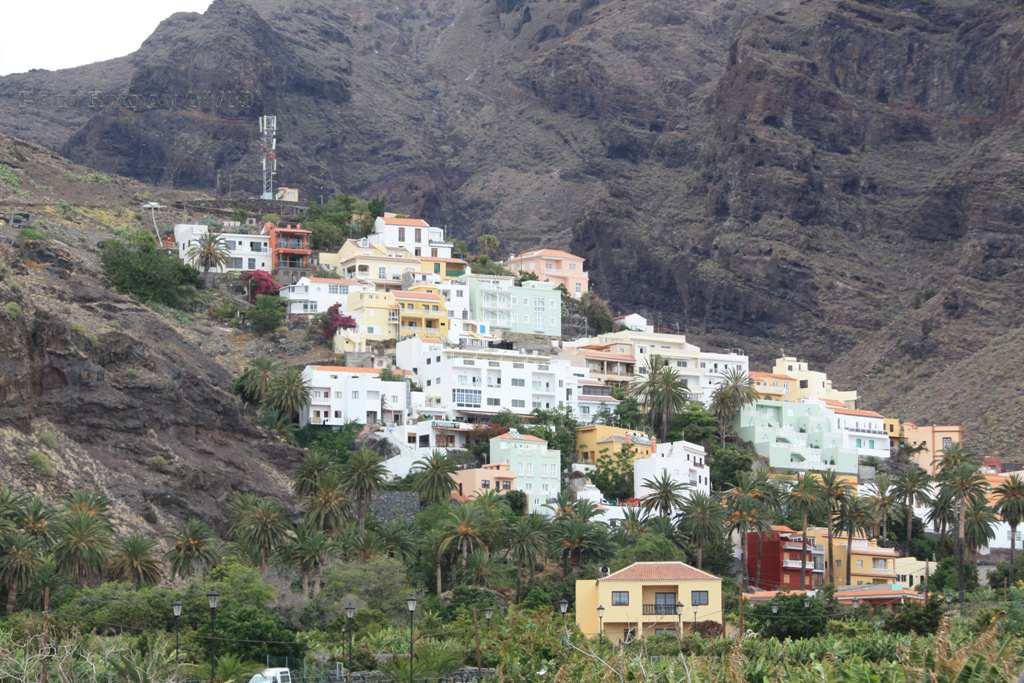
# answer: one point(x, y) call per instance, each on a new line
point(839, 178)
point(98, 392)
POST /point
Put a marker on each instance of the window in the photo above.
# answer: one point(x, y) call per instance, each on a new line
point(803, 384)
point(860, 564)
point(466, 398)
point(355, 394)
point(698, 598)
point(518, 365)
point(878, 563)
point(871, 443)
point(579, 288)
point(518, 403)
point(494, 401)
point(382, 273)
point(252, 264)
point(947, 442)
point(518, 382)
point(419, 234)
point(401, 234)
point(620, 598)
point(236, 263)
point(485, 483)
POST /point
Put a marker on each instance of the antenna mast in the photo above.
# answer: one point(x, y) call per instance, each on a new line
point(268, 147)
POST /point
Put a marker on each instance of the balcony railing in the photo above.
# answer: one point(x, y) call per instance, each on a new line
point(660, 610)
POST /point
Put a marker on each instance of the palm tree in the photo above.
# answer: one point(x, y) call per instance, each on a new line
point(309, 473)
point(573, 537)
point(88, 503)
point(434, 480)
point(562, 506)
point(634, 524)
point(397, 539)
point(288, 392)
point(308, 553)
point(193, 548)
point(364, 474)
point(734, 391)
point(805, 498)
point(666, 494)
point(20, 561)
point(833, 491)
point(979, 526)
point(254, 382)
point(661, 390)
point(747, 512)
point(329, 506)
point(208, 252)
point(38, 520)
point(488, 244)
point(261, 527)
point(960, 483)
point(526, 541)
point(910, 487)
point(884, 499)
point(461, 532)
point(134, 561)
point(83, 544)
point(1009, 504)
point(855, 516)
point(702, 521)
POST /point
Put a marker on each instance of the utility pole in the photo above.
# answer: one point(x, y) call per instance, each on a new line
point(268, 148)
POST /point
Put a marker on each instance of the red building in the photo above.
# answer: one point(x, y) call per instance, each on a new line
point(773, 561)
point(291, 256)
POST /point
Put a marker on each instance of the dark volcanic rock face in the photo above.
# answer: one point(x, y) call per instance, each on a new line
point(760, 173)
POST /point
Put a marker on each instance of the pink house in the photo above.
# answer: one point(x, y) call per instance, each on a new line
point(553, 265)
point(473, 482)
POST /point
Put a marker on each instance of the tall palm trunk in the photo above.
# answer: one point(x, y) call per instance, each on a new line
point(960, 541)
point(437, 576)
point(1013, 547)
point(760, 554)
point(12, 597)
point(519, 581)
point(803, 554)
point(743, 561)
point(700, 556)
point(849, 553)
point(831, 555)
point(910, 525)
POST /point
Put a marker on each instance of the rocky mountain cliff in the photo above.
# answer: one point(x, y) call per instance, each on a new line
point(841, 179)
point(98, 392)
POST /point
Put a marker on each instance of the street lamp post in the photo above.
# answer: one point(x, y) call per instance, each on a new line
point(600, 622)
point(350, 613)
point(410, 604)
point(563, 607)
point(176, 610)
point(775, 607)
point(213, 598)
point(679, 615)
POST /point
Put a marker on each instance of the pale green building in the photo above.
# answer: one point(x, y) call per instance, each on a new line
point(538, 469)
point(533, 308)
point(796, 437)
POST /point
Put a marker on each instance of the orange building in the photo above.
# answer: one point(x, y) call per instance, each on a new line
point(772, 386)
point(934, 439)
point(291, 257)
point(478, 480)
point(553, 265)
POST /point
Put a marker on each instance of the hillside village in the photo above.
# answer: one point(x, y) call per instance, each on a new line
point(433, 358)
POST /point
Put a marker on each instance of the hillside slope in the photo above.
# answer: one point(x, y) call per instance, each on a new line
point(98, 392)
point(838, 179)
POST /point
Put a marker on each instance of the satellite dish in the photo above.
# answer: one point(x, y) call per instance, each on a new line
point(605, 570)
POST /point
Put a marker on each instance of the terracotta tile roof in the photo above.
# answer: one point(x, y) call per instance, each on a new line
point(344, 369)
point(431, 340)
point(660, 571)
point(443, 259)
point(783, 528)
point(755, 374)
point(418, 296)
point(391, 219)
point(598, 397)
point(551, 253)
point(607, 355)
point(856, 412)
point(877, 593)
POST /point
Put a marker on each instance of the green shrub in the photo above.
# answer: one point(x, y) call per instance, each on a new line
point(225, 311)
point(134, 265)
point(9, 177)
point(29, 235)
point(267, 314)
point(40, 462)
point(922, 618)
point(48, 438)
point(12, 309)
point(794, 616)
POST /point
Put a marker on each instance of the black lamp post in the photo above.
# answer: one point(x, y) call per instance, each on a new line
point(410, 604)
point(679, 615)
point(350, 613)
point(775, 607)
point(213, 598)
point(563, 607)
point(600, 622)
point(176, 610)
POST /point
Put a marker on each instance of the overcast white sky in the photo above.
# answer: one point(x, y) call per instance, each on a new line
point(56, 34)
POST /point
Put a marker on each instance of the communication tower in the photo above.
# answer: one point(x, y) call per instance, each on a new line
point(268, 147)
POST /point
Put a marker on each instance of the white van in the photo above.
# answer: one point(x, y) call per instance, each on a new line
point(272, 676)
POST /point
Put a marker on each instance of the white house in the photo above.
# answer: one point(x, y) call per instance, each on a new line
point(684, 462)
point(415, 235)
point(339, 395)
point(313, 295)
point(245, 252)
point(538, 469)
point(594, 400)
point(473, 384)
point(862, 430)
point(635, 322)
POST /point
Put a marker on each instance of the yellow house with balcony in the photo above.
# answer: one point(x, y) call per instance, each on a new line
point(445, 268)
point(596, 441)
point(376, 263)
point(421, 312)
point(647, 598)
point(869, 562)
